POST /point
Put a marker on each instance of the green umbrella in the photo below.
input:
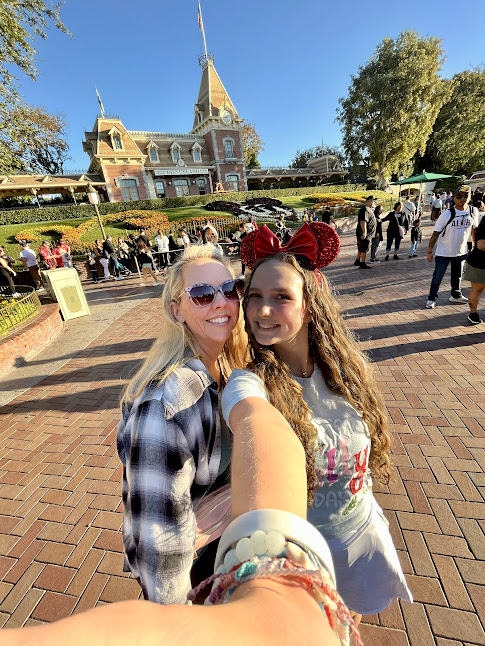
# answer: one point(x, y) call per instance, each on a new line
point(420, 179)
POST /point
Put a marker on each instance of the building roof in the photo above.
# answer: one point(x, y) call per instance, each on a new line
point(11, 185)
point(212, 94)
point(262, 173)
point(99, 141)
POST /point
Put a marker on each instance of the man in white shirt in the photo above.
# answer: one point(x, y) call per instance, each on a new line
point(29, 260)
point(451, 233)
point(409, 210)
point(161, 243)
point(437, 207)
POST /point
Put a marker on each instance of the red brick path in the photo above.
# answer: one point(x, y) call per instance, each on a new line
point(60, 510)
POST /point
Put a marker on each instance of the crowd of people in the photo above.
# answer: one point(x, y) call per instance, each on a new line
point(458, 234)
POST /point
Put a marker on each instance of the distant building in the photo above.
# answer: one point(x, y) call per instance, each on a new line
point(477, 179)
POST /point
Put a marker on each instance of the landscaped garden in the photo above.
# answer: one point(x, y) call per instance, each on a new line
point(80, 233)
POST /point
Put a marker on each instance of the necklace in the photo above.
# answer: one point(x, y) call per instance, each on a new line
point(305, 372)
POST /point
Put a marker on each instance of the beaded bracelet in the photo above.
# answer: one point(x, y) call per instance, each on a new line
point(269, 555)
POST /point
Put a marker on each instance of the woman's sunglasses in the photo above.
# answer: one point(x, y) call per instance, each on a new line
point(203, 295)
point(461, 196)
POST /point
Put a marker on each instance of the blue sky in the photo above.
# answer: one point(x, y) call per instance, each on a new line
point(284, 64)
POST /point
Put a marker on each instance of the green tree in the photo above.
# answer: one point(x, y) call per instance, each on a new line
point(302, 157)
point(456, 145)
point(393, 103)
point(22, 21)
point(252, 144)
point(32, 140)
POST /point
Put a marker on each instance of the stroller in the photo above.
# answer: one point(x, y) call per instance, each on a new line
point(124, 271)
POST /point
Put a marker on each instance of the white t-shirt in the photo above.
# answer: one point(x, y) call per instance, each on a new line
point(162, 243)
point(409, 209)
point(454, 241)
point(183, 241)
point(438, 204)
point(29, 256)
point(343, 499)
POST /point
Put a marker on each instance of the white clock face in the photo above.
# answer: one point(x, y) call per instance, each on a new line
point(226, 116)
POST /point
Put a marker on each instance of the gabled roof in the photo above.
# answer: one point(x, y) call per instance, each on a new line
point(103, 129)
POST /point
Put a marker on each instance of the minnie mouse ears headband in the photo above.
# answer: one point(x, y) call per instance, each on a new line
point(316, 243)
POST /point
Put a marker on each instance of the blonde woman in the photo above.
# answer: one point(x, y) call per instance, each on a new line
point(170, 440)
point(145, 261)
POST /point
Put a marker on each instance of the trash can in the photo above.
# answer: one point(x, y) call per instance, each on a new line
point(64, 286)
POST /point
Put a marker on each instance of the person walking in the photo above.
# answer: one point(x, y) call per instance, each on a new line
point(378, 238)
point(437, 208)
point(7, 274)
point(327, 217)
point(409, 210)
point(450, 234)
point(396, 229)
point(365, 231)
point(29, 261)
point(110, 255)
point(475, 272)
point(416, 237)
point(145, 261)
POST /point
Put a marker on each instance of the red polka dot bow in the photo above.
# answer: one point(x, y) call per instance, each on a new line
point(316, 243)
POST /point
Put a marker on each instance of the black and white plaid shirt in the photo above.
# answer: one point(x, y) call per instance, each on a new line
point(169, 441)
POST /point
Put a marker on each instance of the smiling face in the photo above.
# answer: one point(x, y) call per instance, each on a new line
point(276, 309)
point(210, 326)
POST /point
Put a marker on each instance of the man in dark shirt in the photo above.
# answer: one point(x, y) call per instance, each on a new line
point(110, 253)
point(143, 236)
point(365, 231)
point(327, 216)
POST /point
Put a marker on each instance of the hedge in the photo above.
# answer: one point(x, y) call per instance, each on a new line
point(66, 212)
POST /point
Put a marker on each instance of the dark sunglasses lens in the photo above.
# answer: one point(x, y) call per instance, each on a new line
point(461, 195)
point(232, 290)
point(202, 295)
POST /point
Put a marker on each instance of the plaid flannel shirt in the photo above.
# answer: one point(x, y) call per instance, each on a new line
point(169, 441)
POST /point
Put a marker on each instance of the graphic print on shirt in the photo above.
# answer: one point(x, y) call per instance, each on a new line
point(336, 462)
point(461, 222)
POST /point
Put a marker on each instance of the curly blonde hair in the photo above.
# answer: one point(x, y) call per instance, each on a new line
point(343, 365)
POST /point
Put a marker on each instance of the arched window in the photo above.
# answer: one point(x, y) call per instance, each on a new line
point(232, 182)
point(229, 148)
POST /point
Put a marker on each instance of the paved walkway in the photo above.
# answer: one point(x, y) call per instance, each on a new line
point(60, 510)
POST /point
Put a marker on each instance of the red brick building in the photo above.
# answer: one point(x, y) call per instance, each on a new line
point(140, 165)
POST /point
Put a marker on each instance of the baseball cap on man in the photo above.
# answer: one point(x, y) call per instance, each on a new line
point(463, 189)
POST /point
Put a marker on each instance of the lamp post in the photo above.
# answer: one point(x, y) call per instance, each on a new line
point(93, 198)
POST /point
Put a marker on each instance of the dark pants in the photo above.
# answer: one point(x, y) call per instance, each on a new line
point(440, 266)
point(113, 266)
point(374, 247)
point(163, 258)
point(397, 242)
point(94, 273)
point(125, 261)
point(6, 279)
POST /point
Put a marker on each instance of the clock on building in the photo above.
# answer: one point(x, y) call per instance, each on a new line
point(226, 117)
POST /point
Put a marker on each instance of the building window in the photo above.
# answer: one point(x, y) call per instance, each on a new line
point(232, 182)
point(175, 152)
point(201, 183)
point(196, 154)
point(181, 187)
point(153, 155)
point(129, 190)
point(229, 148)
point(160, 188)
point(117, 142)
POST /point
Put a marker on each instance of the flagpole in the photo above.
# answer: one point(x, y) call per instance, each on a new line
point(201, 25)
point(101, 107)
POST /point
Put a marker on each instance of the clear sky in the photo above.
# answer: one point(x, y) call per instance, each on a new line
point(284, 64)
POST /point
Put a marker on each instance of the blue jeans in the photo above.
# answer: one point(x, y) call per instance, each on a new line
point(414, 247)
point(440, 266)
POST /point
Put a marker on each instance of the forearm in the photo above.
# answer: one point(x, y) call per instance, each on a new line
point(432, 241)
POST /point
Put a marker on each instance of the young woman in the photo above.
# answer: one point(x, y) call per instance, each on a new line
point(170, 441)
point(306, 363)
point(396, 230)
point(145, 261)
point(65, 250)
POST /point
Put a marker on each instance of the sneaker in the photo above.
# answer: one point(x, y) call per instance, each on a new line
point(396, 257)
point(410, 256)
point(430, 305)
point(415, 255)
point(386, 258)
point(374, 260)
point(362, 265)
point(356, 263)
point(474, 317)
point(458, 299)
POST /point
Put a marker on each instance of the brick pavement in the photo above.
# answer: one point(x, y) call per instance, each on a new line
point(60, 510)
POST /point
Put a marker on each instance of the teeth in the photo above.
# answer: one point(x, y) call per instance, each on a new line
point(266, 327)
point(219, 320)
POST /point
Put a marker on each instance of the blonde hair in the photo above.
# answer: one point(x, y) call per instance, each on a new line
point(344, 367)
point(168, 349)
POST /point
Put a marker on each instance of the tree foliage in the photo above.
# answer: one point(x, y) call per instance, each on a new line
point(32, 140)
point(393, 103)
point(22, 21)
point(456, 145)
point(302, 157)
point(252, 144)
